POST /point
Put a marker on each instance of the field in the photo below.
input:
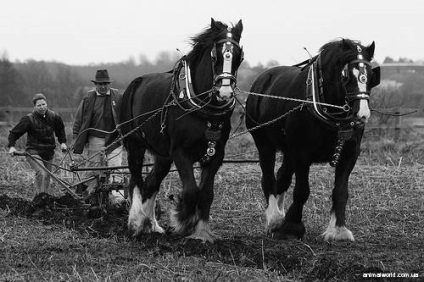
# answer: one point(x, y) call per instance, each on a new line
point(43, 241)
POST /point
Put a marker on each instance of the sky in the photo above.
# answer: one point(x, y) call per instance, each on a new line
point(82, 32)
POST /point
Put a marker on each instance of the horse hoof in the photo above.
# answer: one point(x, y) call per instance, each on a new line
point(203, 232)
point(284, 236)
point(136, 227)
point(274, 226)
point(338, 234)
point(290, 230)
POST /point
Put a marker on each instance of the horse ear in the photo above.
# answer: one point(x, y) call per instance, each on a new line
point(345, 44)
point(214, 25)
point(239, 26)
point(217, 26)
point(238, 29)
point(371, 49)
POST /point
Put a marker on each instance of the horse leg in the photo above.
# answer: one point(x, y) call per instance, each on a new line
point(135, 164)
point(142, 217)
point(185, 216)
point(293, 226)
point(336, 229)
point(203, 231)
point(275, 213)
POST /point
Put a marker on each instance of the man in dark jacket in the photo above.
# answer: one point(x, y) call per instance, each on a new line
point(41, 126)
point(95, 125)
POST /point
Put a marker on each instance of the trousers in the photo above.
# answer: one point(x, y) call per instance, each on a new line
point(42, 177)
point(114, 158)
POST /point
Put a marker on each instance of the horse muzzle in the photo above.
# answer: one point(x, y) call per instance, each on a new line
point(224, 85)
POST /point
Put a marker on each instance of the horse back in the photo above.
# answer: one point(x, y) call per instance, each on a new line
point(145, 94)
point(281, 81)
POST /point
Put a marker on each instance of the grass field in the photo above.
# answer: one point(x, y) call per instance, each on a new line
point(385, 212)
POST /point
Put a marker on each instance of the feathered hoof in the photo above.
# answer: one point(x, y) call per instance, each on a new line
point(203, 232)
point(274, 225)
point(143, 225)
point(338, 234)
point(185, 226)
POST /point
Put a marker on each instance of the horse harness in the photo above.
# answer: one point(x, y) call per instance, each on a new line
point(345, 126)
point(183, 95)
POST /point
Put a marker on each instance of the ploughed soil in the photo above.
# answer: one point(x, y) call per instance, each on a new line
point(313, 260)
point(65, 210)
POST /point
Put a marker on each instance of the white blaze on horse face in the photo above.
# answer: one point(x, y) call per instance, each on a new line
point(226, 90)
point(275, 212)
point(364, 110)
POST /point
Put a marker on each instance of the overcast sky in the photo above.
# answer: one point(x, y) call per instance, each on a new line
point(81, 32)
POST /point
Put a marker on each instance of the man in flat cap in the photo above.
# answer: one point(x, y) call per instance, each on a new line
point(95, 125)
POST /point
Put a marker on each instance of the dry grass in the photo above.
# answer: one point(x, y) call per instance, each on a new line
point(385, 212)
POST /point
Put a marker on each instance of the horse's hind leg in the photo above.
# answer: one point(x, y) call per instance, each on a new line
point(142, 218)
point(135, 164)
point(275, 212)
point(293, 226)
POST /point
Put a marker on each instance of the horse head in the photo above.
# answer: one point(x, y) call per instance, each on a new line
point(215, 59)
point(347, 64)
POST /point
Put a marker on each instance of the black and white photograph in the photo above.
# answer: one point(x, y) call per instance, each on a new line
point(211, 140)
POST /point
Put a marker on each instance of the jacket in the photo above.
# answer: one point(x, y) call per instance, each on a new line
point(40, 133)
point(83, 120)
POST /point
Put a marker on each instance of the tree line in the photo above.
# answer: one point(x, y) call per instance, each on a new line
point(65, 85)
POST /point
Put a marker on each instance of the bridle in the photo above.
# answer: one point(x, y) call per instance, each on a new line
point(183, 91)
point(226, 77)
point(360, 63)
point(345, 117)
point(334, 120)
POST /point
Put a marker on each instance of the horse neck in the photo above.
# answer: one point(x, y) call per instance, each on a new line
point(201, 74)
point(333, 90)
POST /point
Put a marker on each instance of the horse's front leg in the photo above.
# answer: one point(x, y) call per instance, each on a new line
point(186, 214)
point(336, 229)
point(203, 231)
point(142, 217)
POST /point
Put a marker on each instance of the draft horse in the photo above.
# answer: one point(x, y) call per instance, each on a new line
point(312, 114)
point(182, 116)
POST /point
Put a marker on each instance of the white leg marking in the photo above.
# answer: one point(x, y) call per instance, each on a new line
point(275, 212)
point(203, 232)
point(141, 212)
point(135, 217)
point(337, 233)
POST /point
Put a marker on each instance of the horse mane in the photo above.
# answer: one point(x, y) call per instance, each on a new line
point(344, 49)
point(206, 40)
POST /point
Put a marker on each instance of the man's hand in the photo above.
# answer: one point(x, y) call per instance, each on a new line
point(63, 147)
point(12, 151)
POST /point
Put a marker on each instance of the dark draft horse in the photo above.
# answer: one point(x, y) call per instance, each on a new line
point(183, 117)
point(327, 128)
